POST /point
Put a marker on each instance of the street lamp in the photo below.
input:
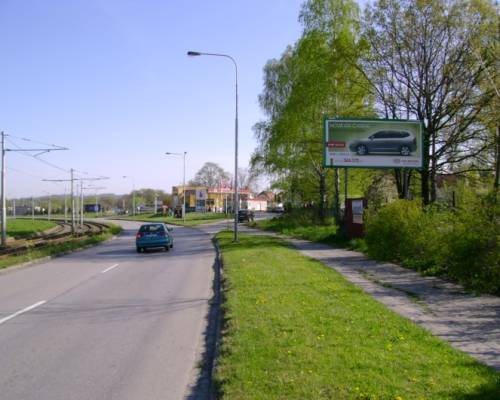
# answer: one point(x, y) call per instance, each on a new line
point(236, 198)
point(133, 192)
point(183, 181)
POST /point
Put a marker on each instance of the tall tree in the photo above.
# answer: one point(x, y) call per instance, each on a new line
point(312, 78)
point(423, 63)
point(211, 175)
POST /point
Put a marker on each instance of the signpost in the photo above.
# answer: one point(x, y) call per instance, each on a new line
point(363, 143)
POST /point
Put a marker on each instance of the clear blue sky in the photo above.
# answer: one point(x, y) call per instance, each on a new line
point(110, 79)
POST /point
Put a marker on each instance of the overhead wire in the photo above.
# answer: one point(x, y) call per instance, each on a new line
point(55, 146)
point(38, 158)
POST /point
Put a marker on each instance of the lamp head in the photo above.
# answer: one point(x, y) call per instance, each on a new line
point(193, 53)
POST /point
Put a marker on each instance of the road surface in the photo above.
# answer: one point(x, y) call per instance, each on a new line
point(106, 322)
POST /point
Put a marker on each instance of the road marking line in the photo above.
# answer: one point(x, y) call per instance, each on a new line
point(22, 311)
point(110, 268)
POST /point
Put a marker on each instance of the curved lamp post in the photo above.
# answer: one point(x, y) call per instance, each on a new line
point(236, 197)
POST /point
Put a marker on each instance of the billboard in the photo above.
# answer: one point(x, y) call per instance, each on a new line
point(373, 143)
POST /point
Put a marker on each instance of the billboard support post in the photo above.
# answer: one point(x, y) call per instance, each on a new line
point(345, 189)
point(337, 195)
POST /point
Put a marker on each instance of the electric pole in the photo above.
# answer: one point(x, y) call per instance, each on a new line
point(2, 183)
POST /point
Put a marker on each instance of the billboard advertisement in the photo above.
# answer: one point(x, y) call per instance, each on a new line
point(373, 143)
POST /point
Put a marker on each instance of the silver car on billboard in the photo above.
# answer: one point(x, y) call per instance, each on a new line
point(385, 142)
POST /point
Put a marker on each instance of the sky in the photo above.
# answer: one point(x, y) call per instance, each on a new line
point(110, 80)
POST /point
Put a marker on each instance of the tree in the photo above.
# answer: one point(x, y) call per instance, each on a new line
point(314, 77)
point(211, 175)
point(247, 179)
point(423, 63)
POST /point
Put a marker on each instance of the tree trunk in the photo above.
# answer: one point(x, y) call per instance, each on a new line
point(403, 177)
point(433, 170)
point(399, 182)
point(497, 162)
point(425, 169)
point(406, 183)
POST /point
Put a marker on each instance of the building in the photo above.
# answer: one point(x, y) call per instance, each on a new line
point(258, 203)
point(205, 199)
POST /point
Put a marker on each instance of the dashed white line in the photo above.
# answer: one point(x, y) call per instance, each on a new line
point(110, 268)
point(5, 319)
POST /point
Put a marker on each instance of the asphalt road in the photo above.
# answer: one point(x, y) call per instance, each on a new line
point(106, 322)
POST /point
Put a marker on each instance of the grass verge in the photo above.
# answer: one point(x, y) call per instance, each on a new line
point(21, 228)
point(295, 329)
point(53, 249)
point(192, 219)
point(303, 228)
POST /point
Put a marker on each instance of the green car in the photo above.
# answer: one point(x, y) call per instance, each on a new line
point(154, 235)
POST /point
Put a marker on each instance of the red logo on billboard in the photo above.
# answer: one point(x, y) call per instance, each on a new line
point(336, 144)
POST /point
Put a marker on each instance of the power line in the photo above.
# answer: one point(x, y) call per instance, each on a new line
point(22, 150)
point(54, 146)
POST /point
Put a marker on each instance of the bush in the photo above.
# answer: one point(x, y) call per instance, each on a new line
point(462, 243)
point(305, 224)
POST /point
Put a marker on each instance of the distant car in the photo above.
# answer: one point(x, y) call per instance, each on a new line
point(154, 235)
point(245, 215)
point(401, 142)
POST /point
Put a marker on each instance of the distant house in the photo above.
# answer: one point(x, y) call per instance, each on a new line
point(208, 199)
point(258, 203)
point(274, 200)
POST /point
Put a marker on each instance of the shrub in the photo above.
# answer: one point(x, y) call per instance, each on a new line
point(462, 244)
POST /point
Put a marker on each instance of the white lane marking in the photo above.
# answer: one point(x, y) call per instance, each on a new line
point(110, 268)
point(22, 311)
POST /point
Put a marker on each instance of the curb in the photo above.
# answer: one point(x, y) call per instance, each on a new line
point(217, 315)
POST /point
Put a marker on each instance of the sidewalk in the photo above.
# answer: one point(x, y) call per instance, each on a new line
point(469, 323)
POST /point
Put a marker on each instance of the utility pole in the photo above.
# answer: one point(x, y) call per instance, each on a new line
point(94, 188)
point(32, 209)
point(73, 227)
point(73, 208)
point(4, 209)
point(183, 182)
point(2, 183)
point(71, 179)
point(65, 206)
point(14, 209)
point(49, 207)
point(81, 205)
point(133, 191)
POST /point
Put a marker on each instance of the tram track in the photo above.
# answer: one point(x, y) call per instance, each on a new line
point(59, 234)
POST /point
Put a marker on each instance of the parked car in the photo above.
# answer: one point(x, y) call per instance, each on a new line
point(245, 215)
point(401, 142)
point(154, 235)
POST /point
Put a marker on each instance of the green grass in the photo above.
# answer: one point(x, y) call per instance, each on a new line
point(295, 329)
point(191, 218)
point(304, 228)
point(21, 228)
point(53, 249)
